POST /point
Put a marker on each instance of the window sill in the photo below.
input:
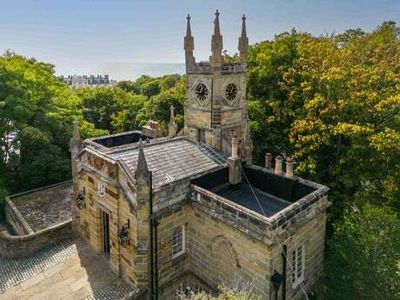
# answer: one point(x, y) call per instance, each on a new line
point(179, 257)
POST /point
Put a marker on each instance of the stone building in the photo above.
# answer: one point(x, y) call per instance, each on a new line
point(190, 210)
point(76, 81)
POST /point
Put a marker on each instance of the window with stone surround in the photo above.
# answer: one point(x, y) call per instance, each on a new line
point(298, 260)
point(178, 241)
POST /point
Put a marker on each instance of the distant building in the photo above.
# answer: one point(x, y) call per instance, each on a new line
point(76, 81)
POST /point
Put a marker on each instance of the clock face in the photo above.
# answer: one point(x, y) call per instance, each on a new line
point(231, 91)
point(201, 91)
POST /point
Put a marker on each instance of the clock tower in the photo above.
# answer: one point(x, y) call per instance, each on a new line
point(216, 105)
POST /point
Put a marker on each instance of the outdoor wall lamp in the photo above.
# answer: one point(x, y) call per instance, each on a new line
point(276, 280)
point(123, 235)
point(80, 199)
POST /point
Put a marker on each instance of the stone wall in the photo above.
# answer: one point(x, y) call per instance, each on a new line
point(14, 246)
point(215, 216)
point(224, 242)
point(220, 253)
point(172, 268)
point(311, 235)
point(15, 219)
point(101, 174)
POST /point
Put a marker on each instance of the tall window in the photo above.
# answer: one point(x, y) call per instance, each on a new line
point(178, 241)
point(298, 260)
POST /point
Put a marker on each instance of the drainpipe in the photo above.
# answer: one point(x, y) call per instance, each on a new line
point(151, 258)
point(153, 246)
point(155, 223)
point(284, 271)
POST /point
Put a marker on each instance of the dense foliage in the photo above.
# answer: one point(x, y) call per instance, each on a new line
point(332, 103)
point(37, 108)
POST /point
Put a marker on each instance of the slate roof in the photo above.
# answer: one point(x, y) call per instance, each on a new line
point(173, 160)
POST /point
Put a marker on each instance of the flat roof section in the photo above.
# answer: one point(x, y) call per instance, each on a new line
point(120, 139)
point(46, 206)
point(244, 196)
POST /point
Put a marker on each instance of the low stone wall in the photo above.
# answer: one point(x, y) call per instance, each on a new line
point(14, 246)
point(15, 219)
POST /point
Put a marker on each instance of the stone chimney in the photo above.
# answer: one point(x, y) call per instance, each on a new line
point(289, 167)
point(268, 161)
point(235, 174)
point(278, 165)
point(152, 129)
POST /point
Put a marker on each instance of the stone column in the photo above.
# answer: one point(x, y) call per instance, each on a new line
point(143, 191)
point(75, 148)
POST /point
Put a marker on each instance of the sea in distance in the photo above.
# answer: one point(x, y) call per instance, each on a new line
point(132, 71)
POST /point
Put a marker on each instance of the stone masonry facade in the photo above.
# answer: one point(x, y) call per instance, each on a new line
point(189, 211)
point(194, 237)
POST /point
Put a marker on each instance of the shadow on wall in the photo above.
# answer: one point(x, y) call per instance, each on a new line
point(14, 246)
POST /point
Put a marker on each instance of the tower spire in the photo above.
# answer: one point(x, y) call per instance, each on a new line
point(243, 42)
point(189, 45)
point(142, 170)
point(188, 29)
point(217, 30)
point(172, 127)
point(216, 44)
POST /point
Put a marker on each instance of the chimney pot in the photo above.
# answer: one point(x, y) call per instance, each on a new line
point(289, 167)
point(235, 143)
point(268, 160)
point(278, 164)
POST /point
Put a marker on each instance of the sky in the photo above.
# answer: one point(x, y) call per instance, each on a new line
point(87, 36)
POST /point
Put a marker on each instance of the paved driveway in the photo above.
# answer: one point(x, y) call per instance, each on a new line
point(66, 270)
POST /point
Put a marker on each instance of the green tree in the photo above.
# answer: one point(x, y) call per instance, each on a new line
point(270, 112)
point(39, 108)
point(364, 256)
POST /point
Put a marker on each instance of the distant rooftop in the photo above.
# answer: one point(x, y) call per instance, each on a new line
point(88, 80)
